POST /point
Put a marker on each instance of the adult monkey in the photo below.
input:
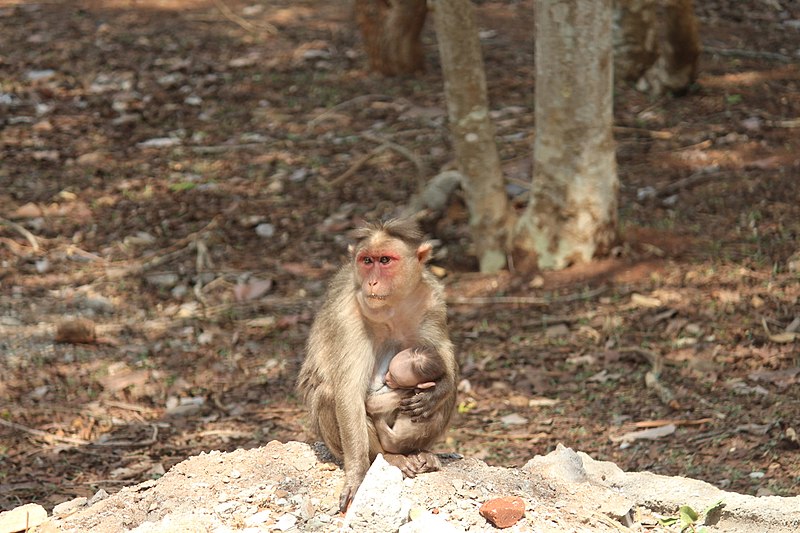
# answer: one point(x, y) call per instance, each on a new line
point(383, 300)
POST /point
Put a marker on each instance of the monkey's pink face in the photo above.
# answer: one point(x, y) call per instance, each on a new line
point(379, 272)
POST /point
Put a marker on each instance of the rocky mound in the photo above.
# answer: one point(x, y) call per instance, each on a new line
point(295, 487)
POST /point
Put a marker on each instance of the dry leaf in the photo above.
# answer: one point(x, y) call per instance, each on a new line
point(640, 300)
point(647, 434)
point(254, 288)
point(781, 378)
point(76, 331)
point(784, 338)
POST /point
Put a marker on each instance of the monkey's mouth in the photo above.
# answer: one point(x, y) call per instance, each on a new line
point(379, 297)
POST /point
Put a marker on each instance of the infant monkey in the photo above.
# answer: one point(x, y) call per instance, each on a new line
point(408, 371)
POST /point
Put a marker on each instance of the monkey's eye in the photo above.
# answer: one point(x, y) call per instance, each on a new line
point(385, 259)
point(367, 260)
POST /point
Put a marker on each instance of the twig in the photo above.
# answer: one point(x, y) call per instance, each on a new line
point(30, 237)
point(675, 422)
point(132, 443)
point(202, 262)
point(651, 378)
point(180, 247)
point(402, 150)
point(793, 123)
point(356, 100)
point(503, 436)
point(525, 300)
point(690, 181)
point(246, 24)
point(354, 167)
point(220, 148)
point(126, 406)
point(654, 134)
point(43, 434)
point(751, 54)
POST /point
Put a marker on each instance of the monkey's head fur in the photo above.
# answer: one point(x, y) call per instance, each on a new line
point(389, 259)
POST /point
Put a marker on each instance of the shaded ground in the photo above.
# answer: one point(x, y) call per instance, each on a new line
point(163, 154)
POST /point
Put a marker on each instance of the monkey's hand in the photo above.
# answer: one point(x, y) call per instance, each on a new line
point(346, 497)
point(423, 404)
point(349, 491)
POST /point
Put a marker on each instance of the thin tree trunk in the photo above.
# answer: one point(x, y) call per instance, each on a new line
point(572, 212)
point(391, 33)
point(472, 130)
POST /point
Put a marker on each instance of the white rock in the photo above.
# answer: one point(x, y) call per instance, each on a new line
point(22, 518)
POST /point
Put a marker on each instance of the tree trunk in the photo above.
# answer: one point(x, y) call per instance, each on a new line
point(656, 44)
point(391, 32)
point(472, 130)
point(572, 213)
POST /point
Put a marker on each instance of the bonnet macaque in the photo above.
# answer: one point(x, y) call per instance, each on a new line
point(383, 298)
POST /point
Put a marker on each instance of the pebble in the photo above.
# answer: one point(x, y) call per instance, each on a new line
point(69, 507)
point(286, 522)
point(503, 512)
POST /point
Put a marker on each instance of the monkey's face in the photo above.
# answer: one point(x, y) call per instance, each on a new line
point(387, 270)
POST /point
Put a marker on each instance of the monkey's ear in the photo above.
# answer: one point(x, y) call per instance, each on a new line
point(426, 385)
point(424, 252)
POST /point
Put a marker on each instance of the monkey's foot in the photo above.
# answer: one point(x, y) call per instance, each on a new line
point(414, 463)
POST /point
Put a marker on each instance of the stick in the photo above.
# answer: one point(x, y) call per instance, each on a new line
point(525, 300)
point(247, 25)
point(654, 134)
point(402, 150)
point(502, 436)
point(752, 54)
point(688, 182)
point(30, 237)
point(43, 434)
point(186, 244)
point(354, 167)
point(356, 100)
point(651, 378)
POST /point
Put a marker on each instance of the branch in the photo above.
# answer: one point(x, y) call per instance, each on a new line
point(247, 25)
point(43, 434)
point(525, 300)
point(30, 237)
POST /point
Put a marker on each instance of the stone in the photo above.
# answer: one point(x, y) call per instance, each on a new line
point(22, 518)
point(71, 506)
point(503, 512)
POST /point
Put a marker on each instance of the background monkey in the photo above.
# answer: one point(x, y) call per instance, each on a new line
point(382, 299)
point(408, 370)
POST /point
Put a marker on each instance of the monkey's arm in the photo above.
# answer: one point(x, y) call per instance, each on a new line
point(427, 402)
point(379, 405)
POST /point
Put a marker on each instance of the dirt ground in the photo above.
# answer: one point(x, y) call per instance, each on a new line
point(180, 173)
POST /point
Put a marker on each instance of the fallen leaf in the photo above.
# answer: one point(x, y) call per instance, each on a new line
point(543, 402)
point(254, 288)
point(781, 378)
point(513, 420)
point(646, 434)
point(754, 429)
point(76, 331)
point(304, 270)
point(29, 210)
point(640, 300)
point(666, 422)
point(784, 338)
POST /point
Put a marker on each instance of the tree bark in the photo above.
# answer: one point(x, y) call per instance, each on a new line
point(572, 213)
point(656, 44)
point(472, 130)
point(391, 33)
